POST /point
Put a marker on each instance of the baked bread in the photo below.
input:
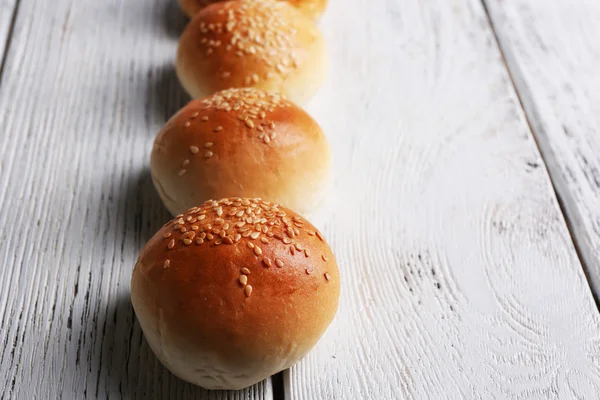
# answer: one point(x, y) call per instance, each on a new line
point(241, 142)
point(234, 291)
point(264, 44)
point(312, 8)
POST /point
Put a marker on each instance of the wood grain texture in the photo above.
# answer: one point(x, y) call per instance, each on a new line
point(87, 84)
point(553, 52)
point(460, 279)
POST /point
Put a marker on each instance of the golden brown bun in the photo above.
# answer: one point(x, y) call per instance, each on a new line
point(241, 142)
point(252, 43)
point(234, 291)
point(312, 8)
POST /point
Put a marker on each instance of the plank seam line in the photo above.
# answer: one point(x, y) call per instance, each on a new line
point(11, 29)
point(561, 203)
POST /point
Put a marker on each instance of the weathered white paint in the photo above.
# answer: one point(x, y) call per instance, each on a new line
point(553, 52)
point(86, 86)
point(438, 181)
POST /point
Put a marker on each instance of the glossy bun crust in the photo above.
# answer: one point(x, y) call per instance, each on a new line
point(252, 43)
point(241, 142)
point(312, 8)
point(234, 291)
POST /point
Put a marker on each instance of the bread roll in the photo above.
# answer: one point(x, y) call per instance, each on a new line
point(241, 142)
point(234, 291)
point(252, 43)
point(312, 8)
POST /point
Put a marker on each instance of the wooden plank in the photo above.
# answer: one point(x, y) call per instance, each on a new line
point(553, 52)
point(7, 13)
point(460, 279)
point(87, 85)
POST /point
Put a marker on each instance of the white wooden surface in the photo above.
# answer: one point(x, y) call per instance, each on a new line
point(439, 182)
point(86, 86)
point(553, 52)
point(460, 277)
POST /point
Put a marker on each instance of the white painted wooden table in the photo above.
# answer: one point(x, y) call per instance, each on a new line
point(462, 275)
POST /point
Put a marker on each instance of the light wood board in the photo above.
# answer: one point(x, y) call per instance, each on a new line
point(87, 85)
point(460, 277)
point(553, 52)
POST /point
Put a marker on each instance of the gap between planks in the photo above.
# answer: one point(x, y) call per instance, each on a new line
point(9, 35)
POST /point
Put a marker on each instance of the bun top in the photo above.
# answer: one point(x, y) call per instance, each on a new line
point(241, 142)
point(312, 8)
point(243, 286)
point(252, 43)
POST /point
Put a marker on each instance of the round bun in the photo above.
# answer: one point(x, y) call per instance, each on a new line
point(252, 43)
point(241, 142)
point(312, 8)
point(234, 291)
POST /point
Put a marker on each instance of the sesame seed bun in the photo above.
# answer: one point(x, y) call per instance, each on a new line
point(234, 291)
point(252, 43)
point(241, 142)
point(312, 8)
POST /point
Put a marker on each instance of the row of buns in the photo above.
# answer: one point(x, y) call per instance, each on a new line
point(239, 285)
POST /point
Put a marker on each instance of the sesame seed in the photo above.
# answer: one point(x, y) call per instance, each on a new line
point(188, 219)
point(199, 240)
point(264, 240)
point(306, 253)
point(292, 250)
point(327, 276)
point(248, 290)
point(194, 149)
point(319, 236)
point(181, 172)
point(310, 233)
point(194, 115)
point(195, 227)
point(308, 271)
point(324, 258)
point(246, 233)
point(167, 263)
point(208, 145)
point(187, 124)
point(187, 241)
point(208, 154)
point(299, 247)
point(237, 237)
point(254, 235)
point(267, 139)
point(228, 240)
point(202, 235)
point(204, 118)
point(201, 217)
point(243, 280)
point(218, 242)
point(257, 251)
point(279, 263)
point(245, 271)
point(166, 235)
point(287, 241)
point(267, 261)
point(171, 244)
point(223, 234)
point(249, 124)
point(209, 236)
point(219, 211)
point(250, 245)
point(218, 129)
